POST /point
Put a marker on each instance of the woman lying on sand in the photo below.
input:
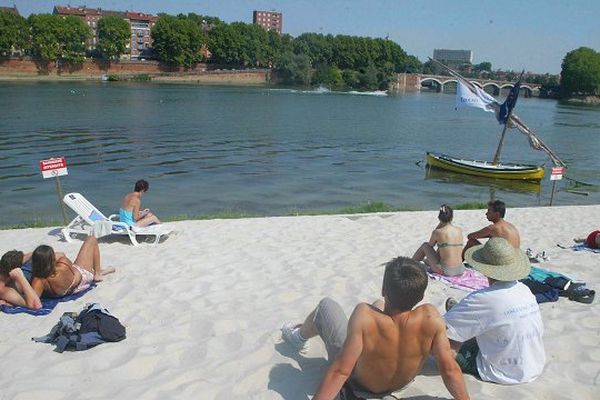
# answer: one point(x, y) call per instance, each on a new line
point(54, 275)
point(447, 260)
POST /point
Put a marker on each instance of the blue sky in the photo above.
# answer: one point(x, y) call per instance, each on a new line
point(533, 35)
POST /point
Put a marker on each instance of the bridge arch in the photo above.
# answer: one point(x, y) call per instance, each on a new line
point(496, 86)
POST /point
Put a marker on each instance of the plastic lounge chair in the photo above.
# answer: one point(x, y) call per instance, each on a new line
point(89, 218)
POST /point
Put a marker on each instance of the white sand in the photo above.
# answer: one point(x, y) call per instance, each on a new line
point(203, 309)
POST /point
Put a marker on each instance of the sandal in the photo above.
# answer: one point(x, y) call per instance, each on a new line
point(582, 295)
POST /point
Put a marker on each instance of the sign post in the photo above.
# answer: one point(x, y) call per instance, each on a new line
point(53, 168)
point(555, 175)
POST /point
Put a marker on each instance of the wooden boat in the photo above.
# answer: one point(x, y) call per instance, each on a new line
point(472, 182)
point(486, 168)
point(471, 95)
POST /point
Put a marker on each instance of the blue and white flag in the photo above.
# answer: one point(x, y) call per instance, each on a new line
point(473, 96)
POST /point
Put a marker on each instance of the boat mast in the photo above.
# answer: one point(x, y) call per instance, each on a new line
point(497, 155)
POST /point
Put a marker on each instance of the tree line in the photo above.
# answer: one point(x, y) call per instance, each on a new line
point(338, 62)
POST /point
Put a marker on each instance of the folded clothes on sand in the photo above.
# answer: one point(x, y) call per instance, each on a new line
point(469, 280)
point(48, 304)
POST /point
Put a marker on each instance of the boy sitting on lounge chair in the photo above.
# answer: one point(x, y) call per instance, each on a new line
point(130, 212)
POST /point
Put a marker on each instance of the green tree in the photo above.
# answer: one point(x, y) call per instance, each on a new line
point(295, 69)
point(114, 34)
point(14, 33)
point(484, 66)
point(56, 37)
point(177, 40)
point(328, 75)
point(580, 74)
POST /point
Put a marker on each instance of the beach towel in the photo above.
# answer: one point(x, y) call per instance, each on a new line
point(470, 280)
point(48, 304)
point(579, 247)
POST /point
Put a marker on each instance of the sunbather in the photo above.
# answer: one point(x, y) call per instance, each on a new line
point(54, 275)
point(592, 240)
point(130, 212)
point(499, 227)
point(15, 286)
point(383, 346)
point(448, 238)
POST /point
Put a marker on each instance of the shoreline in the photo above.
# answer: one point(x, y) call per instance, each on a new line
point(371, 207)
point(204, 307)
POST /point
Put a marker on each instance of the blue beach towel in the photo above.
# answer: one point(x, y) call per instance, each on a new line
point(48, 304)
point(540, 275)
point(584, 247)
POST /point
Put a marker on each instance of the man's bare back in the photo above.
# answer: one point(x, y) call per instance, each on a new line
point(395, 347)
point(506, 230)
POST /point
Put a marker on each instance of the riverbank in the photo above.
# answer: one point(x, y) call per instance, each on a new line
point(586, 100)
point(203, 309)
point(94, 70)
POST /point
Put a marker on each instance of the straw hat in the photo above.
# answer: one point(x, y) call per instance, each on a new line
point(498, 260)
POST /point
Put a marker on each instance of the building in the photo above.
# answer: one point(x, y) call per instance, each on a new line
point(455, 57)
point(12, 10)
point(141, 41)
point(270, 20)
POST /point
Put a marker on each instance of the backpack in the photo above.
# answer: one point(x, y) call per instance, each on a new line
point(92, 326)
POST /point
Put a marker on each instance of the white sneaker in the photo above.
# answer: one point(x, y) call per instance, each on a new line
point(290, 333)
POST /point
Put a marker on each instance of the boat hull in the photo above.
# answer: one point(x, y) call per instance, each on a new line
point(486, 168)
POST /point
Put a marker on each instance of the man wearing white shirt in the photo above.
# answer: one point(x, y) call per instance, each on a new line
point(498, 331)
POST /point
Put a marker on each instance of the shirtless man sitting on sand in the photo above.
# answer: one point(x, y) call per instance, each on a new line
point(499, 227)
point(383, 346)
point(54, 275)
point(15, 286)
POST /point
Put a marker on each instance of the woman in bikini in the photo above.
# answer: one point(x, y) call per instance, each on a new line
point(54, 275)
point(447, 259)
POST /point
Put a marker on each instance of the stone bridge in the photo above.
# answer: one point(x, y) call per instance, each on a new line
point(419, 81)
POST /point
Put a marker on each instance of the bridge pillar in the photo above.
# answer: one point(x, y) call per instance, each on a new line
point(406, 82)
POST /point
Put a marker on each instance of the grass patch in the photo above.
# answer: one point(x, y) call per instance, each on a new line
point(363, 208)
point(141, 78)
point(225, 214)
point(36, 223)
point(472, 205)
point(371, 207)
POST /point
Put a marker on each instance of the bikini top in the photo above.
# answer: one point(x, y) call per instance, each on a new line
point(71, 286)
point(442, 245)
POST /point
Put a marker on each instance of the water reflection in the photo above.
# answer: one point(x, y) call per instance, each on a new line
point(516, 186)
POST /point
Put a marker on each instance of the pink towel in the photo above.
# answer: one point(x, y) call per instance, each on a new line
point(470, 280)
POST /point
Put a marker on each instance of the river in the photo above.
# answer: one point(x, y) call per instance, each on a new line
point(207, 149)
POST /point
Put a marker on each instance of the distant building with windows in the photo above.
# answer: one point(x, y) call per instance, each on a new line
point(270, 20)
point(455, 57)
point(140, 43)
point(12, 10)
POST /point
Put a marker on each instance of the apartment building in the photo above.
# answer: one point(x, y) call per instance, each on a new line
point(270, 20)
point(141, 24)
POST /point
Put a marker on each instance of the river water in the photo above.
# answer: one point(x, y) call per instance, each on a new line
point(206, 149)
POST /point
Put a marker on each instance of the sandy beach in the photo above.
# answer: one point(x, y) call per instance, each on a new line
point(203, 308)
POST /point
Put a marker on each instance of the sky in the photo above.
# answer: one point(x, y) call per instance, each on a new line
point(530, 35)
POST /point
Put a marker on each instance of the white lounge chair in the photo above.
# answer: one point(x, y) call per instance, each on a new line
point(90, 221)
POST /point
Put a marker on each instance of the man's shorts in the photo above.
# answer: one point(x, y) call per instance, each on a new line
point(332, 325)
point(467, 357)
